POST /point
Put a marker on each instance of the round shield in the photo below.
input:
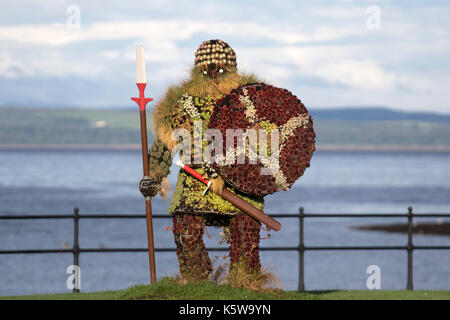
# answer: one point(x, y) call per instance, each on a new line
point(268, 138)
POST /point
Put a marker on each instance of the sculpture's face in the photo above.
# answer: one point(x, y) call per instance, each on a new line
point(213, 70)
point(215, 58)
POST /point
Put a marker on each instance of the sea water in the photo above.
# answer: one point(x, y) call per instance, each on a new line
point(106, 182)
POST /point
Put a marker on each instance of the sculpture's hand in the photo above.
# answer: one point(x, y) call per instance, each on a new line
point(149, 187)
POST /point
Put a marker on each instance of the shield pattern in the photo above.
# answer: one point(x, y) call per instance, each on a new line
point(260, 167)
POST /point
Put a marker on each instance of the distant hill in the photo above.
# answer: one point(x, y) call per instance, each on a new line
point(335, 128)
point(376, 114)
point(68, 126)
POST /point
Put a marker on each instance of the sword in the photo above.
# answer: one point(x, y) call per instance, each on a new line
point(234, 200)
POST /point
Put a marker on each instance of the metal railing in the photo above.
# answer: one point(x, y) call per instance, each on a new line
point(301, 248)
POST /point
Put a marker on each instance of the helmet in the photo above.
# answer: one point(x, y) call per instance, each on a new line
point(215, 52)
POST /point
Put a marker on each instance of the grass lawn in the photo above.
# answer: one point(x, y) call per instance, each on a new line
point(168, 289)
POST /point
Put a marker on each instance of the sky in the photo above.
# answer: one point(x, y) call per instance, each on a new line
point(330, 54)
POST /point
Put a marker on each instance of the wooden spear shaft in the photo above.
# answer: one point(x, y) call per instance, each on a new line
point(141, 81)
point(148, 201)
point(142, 102)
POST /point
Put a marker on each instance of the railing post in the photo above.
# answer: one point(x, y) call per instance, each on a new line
point(409, 285)
point(301, 251)
point(76, 247)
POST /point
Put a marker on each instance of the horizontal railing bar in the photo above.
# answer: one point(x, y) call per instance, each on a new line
point(357, 248)
point(36, 251)
point(112, 216)
point(374, 215)
point(431, 247)
point(124, 216)
point(49, 216)
point(166, 216)
point(131, 250)
point(126, 249)
point(356, 215)
point(380, 248)
point(313, 248)
point(86, 216)
point(434, 215)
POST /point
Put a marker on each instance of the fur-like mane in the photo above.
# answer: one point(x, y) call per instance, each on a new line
point(196, 85)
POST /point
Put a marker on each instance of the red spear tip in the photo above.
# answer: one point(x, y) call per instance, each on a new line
point(142, 100)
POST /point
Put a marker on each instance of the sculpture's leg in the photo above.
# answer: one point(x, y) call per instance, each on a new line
point(192, 255)
point(244, 232)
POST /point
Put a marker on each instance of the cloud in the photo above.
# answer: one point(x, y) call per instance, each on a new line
point(110, 54)
point(11, 68)
point(58, 34)
point(161, 38)
point(333, 64)
point(323, 51)
point(364, 74)
point(47, 64)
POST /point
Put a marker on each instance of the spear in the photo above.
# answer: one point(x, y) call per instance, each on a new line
point(141, 82)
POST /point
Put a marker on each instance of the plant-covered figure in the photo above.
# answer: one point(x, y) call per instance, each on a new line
point(213, 76)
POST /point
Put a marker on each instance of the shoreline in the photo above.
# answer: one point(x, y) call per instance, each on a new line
point(424, 228)
point(137, 147)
